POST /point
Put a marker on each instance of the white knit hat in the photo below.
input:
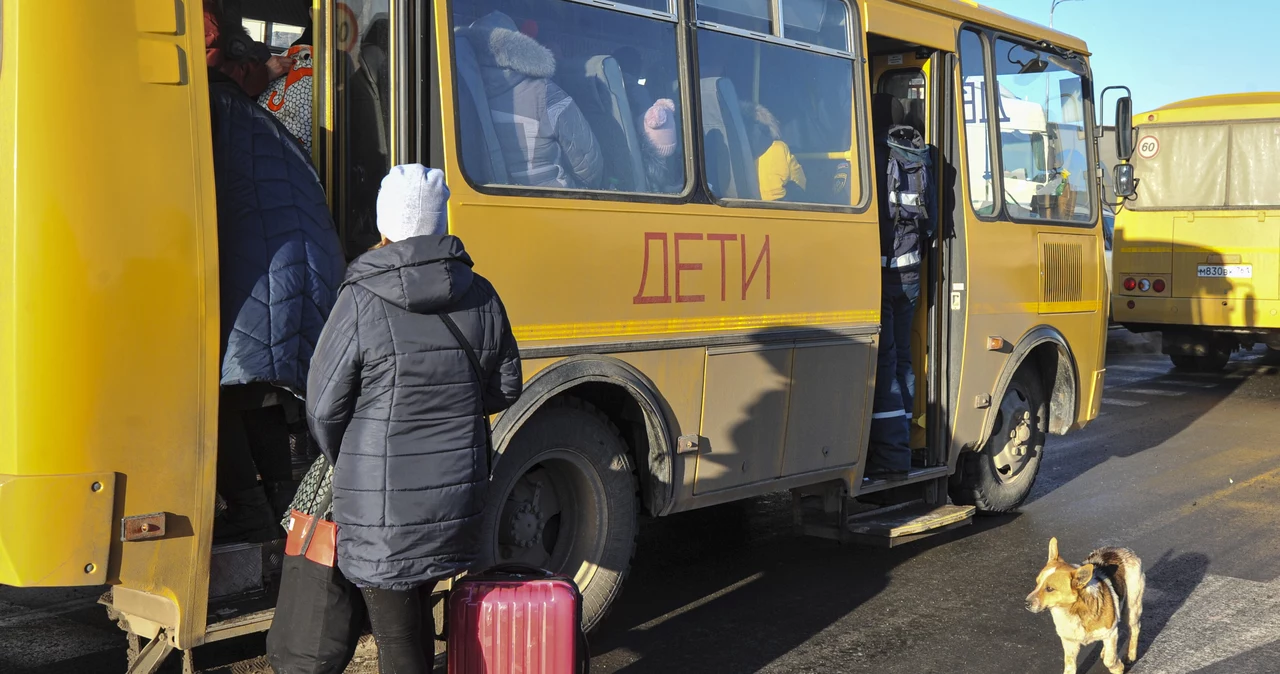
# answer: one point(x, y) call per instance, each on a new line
point(412, 203)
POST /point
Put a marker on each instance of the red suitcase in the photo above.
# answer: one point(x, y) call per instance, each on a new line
point(512, 620)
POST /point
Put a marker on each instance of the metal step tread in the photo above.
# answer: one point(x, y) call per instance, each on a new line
point(909, 519)
point(916, 475)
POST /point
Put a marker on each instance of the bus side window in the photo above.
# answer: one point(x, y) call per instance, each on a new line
point(768, 134)
point(976, 115)
point(580, 97)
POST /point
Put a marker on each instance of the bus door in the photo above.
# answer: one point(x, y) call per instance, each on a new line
point(902, 76)
point(1034, 254)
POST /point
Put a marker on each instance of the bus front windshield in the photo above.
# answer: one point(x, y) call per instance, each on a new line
point(1046, 91)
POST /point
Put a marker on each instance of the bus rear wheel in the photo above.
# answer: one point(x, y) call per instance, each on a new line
point(1215, 361)
point(564, 498)
point(999, 477)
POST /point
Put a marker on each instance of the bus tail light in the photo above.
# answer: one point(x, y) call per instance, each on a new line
point(1158, 285)
point(1130, 284)
point(1144, 285)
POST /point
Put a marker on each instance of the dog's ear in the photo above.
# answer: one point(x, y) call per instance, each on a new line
point(1084, 574)
point(1053, 550)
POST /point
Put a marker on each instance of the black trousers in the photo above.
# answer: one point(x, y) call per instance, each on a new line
point(252, 439)
point(402, 627)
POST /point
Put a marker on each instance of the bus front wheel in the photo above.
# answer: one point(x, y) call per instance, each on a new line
point(999, 477)
point(564, 498)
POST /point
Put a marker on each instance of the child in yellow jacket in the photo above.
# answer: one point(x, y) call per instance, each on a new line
point(775, 165)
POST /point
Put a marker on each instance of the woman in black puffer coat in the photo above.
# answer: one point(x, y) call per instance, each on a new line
point(394, 402)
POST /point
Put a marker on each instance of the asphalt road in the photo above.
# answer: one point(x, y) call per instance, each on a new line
point(1182, 468)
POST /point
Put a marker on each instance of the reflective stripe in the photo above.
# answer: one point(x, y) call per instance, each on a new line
point(901, 261)
point(889, 415)
point(905, 198)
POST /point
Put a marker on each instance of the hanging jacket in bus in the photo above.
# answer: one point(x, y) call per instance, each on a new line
point(906, 218)
point(278, 252)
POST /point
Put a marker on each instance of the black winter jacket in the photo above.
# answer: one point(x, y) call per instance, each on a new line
point(393, 401)
point(278, 251)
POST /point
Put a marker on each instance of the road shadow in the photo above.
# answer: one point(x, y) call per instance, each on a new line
point(1144, 431)
point(737, 598)
point(731, 588)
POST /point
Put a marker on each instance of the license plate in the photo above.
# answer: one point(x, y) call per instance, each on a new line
point(1225, 270)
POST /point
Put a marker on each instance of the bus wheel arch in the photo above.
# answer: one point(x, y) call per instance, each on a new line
point(1044, 350)
point(1036, 395)
point(566, 491)
point(627, 397)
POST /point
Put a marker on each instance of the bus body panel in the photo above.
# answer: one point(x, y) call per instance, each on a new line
point(110, 261)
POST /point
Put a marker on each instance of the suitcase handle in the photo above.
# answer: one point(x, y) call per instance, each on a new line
point(519, 570)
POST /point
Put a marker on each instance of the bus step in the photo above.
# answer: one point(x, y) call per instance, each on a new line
point(915, 476)
point(235, 569)
point(895, 525)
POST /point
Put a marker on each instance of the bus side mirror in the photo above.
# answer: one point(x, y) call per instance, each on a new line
point(1125, 185)
point(1124, 129)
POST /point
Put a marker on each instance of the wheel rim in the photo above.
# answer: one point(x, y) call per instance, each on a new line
point(554, 516)
point(1013, 441)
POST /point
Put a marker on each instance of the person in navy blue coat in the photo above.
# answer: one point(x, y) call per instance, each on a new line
point(280, 263)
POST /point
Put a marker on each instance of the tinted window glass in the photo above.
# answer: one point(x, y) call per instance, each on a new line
point(570, 97)
point(753, 15)
point(977, 141)
point(904, 84)
point(824, 23)
point(363, 110)
point(283, 35)
point(777, 121)
point(1041, 99)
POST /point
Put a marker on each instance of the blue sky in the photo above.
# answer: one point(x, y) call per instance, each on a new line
point(1169, 50)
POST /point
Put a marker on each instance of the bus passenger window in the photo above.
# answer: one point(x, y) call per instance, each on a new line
point(753, 15)
point(824, 23)
point(1042, 124)
point(363, 116)
point(976, 115)
point(777, 121)
point(563, 95)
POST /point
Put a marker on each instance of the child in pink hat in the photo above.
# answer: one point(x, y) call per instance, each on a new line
point(663, 160)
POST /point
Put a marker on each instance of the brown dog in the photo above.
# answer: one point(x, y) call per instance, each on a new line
point(1087, 601)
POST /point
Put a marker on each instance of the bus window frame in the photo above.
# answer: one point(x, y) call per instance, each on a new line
point(989, 103)
point(683, 62)
point(1093, 198)
point(860, 137)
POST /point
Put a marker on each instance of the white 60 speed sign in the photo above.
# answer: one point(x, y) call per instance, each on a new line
point(1148, 147)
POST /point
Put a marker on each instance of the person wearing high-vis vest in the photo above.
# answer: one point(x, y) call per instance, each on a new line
point(904, 225)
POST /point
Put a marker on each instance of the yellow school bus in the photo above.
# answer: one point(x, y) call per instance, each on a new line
point(687, 341)
point(1197, 248)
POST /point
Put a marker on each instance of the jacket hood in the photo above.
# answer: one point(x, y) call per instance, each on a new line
point(422, 274)
point(499, 44)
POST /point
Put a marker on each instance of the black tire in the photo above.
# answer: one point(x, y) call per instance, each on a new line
point(1182, 362)
point(572, 448)
point(996, 479)
point(1216, 361)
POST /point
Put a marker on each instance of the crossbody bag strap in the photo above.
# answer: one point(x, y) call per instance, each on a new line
point(479, 373)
